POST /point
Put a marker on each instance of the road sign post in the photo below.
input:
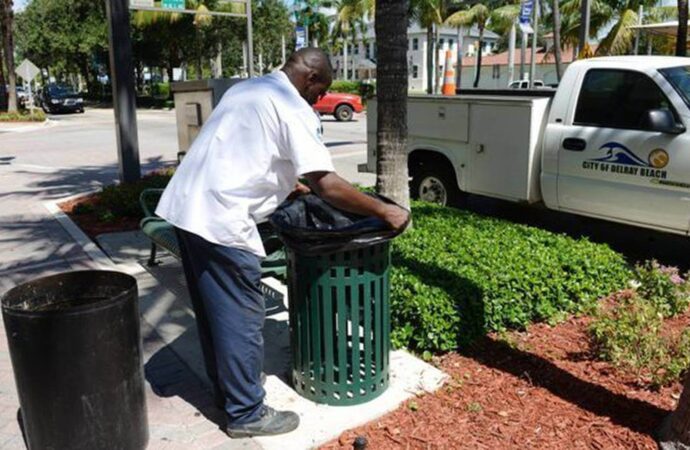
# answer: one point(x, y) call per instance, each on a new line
point(28, 71)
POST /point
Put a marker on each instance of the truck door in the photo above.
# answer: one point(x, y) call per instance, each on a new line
point(610, 165)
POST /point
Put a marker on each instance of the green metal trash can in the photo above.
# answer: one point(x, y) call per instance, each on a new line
point(340, 324)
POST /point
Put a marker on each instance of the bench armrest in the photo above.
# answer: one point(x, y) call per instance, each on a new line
point(148, 199)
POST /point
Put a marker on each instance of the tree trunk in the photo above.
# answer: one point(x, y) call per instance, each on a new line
point(479, 56)
point(682, 36)
point(8, 51)
point(430, 59)
point(557, 39)
point(391, 135)
point(674, 433)
point(458, 69)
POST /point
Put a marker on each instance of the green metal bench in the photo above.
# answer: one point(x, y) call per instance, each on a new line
point(162, 234)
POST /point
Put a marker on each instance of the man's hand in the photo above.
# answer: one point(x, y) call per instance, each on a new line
point(300, 189)
point(395, 217)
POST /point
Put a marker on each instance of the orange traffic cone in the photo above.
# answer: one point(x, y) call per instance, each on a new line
point(449, 75)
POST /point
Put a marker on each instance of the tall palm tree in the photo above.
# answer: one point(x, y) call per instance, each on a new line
point(429, 14)
point(477, 15)
point(391, 134)
point(6, 19)
point(682, 33)
point(350, 21)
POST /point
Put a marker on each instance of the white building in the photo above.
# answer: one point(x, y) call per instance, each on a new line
point(361, 55)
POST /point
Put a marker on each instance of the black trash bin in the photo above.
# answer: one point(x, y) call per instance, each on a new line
point(76, 350)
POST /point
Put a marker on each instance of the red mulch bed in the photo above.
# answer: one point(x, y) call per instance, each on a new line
point(91, 224)
point(540, 389)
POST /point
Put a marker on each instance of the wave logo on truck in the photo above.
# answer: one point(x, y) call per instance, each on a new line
point(620, 154)
point(619, 159)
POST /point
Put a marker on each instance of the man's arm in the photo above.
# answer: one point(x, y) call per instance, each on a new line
point(341, 194)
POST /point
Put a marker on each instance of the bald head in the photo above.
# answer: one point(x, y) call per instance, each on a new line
point(310, 71)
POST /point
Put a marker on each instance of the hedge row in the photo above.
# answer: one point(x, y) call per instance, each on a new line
point(457, 275)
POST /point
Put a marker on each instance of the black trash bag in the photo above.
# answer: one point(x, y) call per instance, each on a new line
point(311, 226)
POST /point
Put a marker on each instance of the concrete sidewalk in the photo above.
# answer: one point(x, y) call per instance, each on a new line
point(179, 401)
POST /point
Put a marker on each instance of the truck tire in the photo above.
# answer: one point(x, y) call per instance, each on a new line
point(435, 184)
point(343, 113)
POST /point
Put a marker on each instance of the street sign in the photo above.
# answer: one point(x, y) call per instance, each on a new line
point(141, 3)
point(526, 16)
point(300, 38)
point(27, 70)
point(173, 4)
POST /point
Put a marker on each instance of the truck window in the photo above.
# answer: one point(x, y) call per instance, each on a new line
point(618, 99)
point(679, 77)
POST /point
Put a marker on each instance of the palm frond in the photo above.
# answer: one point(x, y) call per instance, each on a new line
point(620, 38)
point(477, 14)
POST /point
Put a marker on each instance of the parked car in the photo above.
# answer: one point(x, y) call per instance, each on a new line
point(524, 84)
point(342, 106)
point(60, 98)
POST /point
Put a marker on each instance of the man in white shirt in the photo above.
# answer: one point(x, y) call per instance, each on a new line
point(260, 139)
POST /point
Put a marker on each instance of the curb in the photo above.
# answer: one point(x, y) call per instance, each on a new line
point(24, 129)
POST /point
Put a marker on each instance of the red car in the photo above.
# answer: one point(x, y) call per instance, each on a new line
point(342, 106)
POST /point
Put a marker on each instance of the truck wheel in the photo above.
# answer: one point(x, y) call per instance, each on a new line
point(343, 113)
point(435, 184)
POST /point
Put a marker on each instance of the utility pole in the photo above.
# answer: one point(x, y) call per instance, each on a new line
point(250, 39)
point(533, 60)
point(511, 53)
point(124, 102)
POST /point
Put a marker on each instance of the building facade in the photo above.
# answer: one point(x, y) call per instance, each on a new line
point(357, 61)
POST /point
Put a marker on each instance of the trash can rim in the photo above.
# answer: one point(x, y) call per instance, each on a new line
point(94, 306)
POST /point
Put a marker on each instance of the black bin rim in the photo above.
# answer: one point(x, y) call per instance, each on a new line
point(128, 283)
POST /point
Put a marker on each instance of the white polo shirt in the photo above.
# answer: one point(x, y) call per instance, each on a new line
point(245, 161)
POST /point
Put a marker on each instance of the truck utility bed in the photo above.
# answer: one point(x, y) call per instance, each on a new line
point(491, 141)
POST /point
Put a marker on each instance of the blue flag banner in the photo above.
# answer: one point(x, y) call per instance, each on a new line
point(300, 38)
point(526, 16)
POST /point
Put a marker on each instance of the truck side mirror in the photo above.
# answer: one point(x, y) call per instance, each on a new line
point(663, 121)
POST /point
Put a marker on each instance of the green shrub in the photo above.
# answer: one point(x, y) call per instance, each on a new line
point(23, 116)
point(664, 287)
point(365, 90)
point(348, 87)
point(122, 200)
point(161, 90)
point(628, 333)
point(457, 275)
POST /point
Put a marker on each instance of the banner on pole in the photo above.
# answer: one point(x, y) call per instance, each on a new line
point(301, 38)
point(525, 21)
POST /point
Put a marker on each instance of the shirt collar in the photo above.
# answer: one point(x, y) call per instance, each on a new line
point(283, 78)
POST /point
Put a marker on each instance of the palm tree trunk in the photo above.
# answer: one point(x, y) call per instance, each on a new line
point(479, 56)
point(8, 52)
point(557, 38)
point(391, 135)
point(682, 36)
point(458, 69)
point(430, 59)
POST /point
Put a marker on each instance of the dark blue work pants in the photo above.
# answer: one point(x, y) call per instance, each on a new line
point(223, 284)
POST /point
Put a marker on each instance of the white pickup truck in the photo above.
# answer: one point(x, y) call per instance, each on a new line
point(610, 142)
